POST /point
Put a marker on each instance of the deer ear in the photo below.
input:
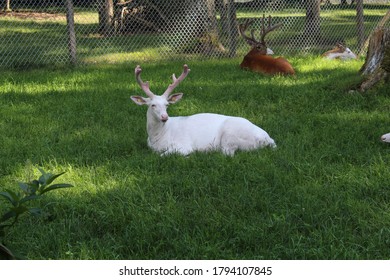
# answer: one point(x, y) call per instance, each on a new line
point(173, 98)
point(139, 100)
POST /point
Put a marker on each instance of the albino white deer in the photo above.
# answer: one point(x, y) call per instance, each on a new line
point(200, 132)
point(386, 137)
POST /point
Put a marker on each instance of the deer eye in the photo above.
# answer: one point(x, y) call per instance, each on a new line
point(153, 106)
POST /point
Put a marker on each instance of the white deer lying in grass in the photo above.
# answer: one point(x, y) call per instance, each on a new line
point(200, 132)
point(386, 137)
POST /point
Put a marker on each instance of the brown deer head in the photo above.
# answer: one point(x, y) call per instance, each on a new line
point(259, 45)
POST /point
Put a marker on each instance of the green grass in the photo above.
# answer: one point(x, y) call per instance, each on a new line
point(322, 194)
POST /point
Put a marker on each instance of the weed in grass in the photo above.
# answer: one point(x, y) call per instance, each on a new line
point(19, 204)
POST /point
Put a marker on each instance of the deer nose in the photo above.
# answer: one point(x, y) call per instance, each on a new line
point(164, 117)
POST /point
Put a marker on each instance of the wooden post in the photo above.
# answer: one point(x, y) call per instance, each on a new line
point(71, 32)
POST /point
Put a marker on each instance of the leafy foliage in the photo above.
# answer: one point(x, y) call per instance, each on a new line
point(18, 203)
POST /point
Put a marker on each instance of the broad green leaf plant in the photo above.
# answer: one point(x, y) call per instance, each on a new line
point(18, 204)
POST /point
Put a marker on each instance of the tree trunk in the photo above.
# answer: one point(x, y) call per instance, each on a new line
point(211, 23)
point(71, 31)
point(377, 65)
point(206, 31)
point(229, 25)
point(360, 24)
point(106, 14)
point(212, 42)
point(312, 23)
point(380, 24)
point(7, 6)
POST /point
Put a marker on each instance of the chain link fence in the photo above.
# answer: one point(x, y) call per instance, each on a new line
point(41, 32)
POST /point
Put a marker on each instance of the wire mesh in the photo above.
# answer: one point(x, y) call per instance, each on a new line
point(37, 32)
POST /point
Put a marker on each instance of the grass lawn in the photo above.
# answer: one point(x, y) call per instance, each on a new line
point(324, 193)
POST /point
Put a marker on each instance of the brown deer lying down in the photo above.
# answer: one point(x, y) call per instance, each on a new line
point(258, 60)
point(340, 52)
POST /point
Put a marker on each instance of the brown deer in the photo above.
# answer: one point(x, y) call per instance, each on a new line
point(258, 58)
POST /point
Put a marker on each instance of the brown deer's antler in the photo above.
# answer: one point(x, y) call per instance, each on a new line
point(263, 32)
point(269, 28)
point(242, 28)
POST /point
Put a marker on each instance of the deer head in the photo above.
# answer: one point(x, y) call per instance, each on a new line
point(259, 46)
point(158, 104)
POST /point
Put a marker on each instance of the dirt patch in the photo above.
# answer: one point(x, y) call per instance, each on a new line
point(33, 15)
